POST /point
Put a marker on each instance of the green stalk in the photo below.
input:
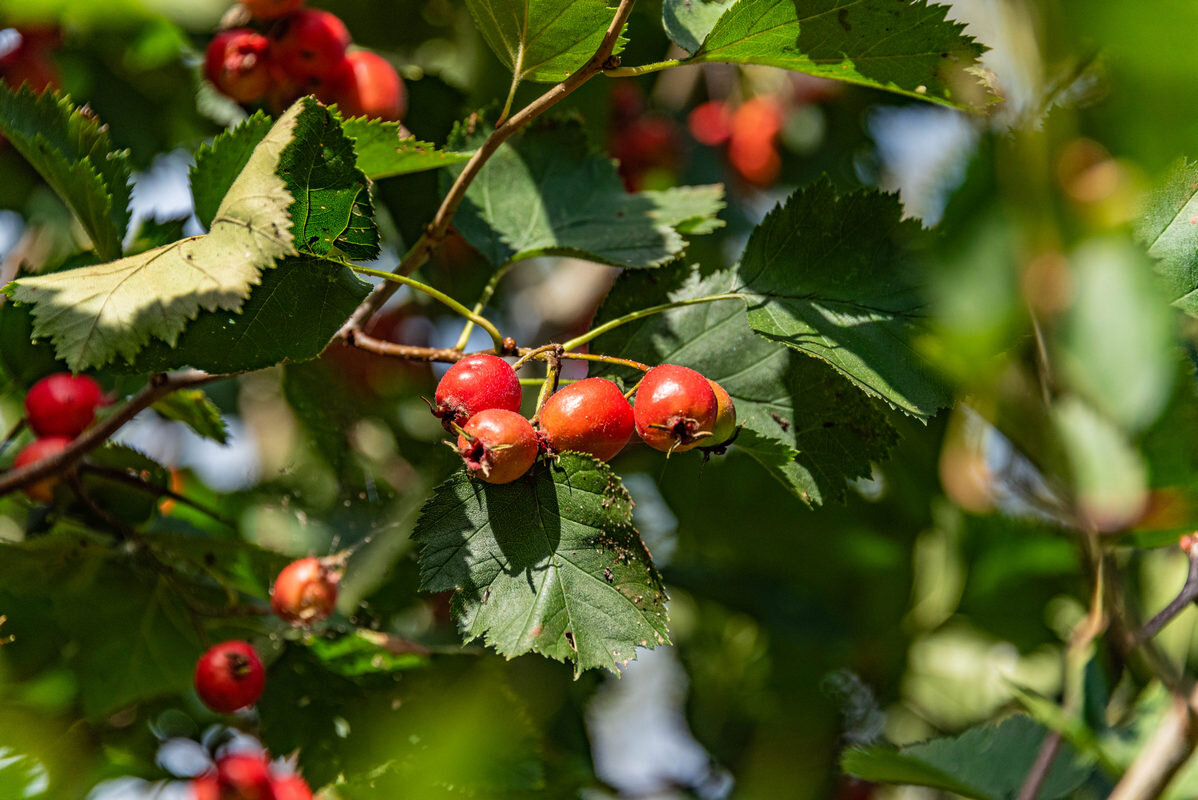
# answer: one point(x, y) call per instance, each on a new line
point(632, 72)
point(484, 298)
point(579, 341)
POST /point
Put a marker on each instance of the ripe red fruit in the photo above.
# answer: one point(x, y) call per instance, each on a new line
point(710, 123)
point(291, 787)
point(229, 676)
point(368, 86)
point(245, 776)
point(497, 445)
point(474, 384)
point(751, 148)
point(675, 408)
point(725, 416)
point(309, 45)
point(43, 490)
point(269, 9)
point(590, 416)
point(206, 787)
point(238, 65)
point(62, 404)
point(305, 591)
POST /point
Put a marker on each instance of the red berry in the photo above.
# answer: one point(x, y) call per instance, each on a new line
point(711, 123)
point(43, 490)
point(474, 384)
point(497, 445)
point(725, 416)
point(62, 404)
point(206, 787)
point(751, 147)
point(368, 86)
point(675, 408)
point(291, 787)
point(305, 591)
point(309, 45)
point(245, 776)
point(238, 65)
point(229, 676)
point(590, 416)
point(269, 9)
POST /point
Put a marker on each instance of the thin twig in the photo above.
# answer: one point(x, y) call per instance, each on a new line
point(1187, 595)
point(436, 231)
point(159, 491)
point(364, 341)
point(1163, 755)
point(160, 386)
point(1039, 771)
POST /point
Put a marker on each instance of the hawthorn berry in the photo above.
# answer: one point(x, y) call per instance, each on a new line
point(368, 86)
point(474, 384)
point(62, 404)
point(245, 776)
point(291, 787)
point(206, 787)
point(675, 408)
point(710, 123)
point(725, 416)
point(497, 445)
point(309, 45)
point(229, 676)
point(238, 64)
point(270, 9)
point(43, 490)
point(590, 416)
point(751, 147)
point(305, 591)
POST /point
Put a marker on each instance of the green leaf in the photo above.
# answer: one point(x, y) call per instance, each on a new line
point(827, 277)
point(268, 330)
point(21, 358)
point(803, 422)
point(384, 153)
point(549, 563)
point(688, 22)
point(1169, 229)
point(989, 762)
point(193, 408)
point(543, 40)
point(131, 504)
point(365, 652)
point(94, 314)
point(547, 192)
point(74, 153)
point(218, 164)
point(910, 48)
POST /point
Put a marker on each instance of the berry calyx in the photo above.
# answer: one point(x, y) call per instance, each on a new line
point(245, 776)
point(497, 446)
point(309, 45)
point(305, 591)
point(675, 408)
point(590, 416)
point(43, 490)
point(291, 787)
point(229, 676)
point(474, 384)
point(270, 9)
point(368, 86)
point(62, 404)
point(725, 417)
point(237, 63)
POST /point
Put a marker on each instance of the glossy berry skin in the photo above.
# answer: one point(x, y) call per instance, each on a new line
point(62, 404)
point(270, 9)
point(245, 776)
point(229, 676)
point(43, 490)
point(675, 408)
point(476, 383)
point(291, 787)
point(498, 446)
point(309, 45)
point(368, 86)
point(304, 592)
point(725, 416)
point(237, 63)
point(590, 416)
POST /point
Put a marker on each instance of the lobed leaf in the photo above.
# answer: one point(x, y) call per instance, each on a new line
point(549, 563)
point(218, 164)
point(193, 408)
point(687, 22)
point(1168, 228)
point(384, 153)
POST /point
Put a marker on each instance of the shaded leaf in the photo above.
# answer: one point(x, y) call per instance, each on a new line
point(1168, 227)
point(827, 276)
point(218, 164)
point(364, 652)
point(382, 153)
point(688, 22)
point(549, 563)
point(193, 408)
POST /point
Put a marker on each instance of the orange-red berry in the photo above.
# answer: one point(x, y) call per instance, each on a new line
point(675, 408)
point(42, 491)
point(590, 416)
point(497, 446)
point(305, 591)
point(229, 676)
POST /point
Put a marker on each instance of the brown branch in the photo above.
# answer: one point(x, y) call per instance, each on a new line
point(161, 492)
point(1039, 771)
point(436, 231)
point(363, 341)
point(1187, 595)
point(159, 386)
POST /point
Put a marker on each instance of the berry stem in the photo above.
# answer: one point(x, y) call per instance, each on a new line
point(436, 294)
point(579, 341)
point(623, 362)
point(483, 299)
point(553, 368)
point(645, 69)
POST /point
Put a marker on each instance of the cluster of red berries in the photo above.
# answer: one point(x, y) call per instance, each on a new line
point(750, 132)
point(479, 397)
point(297, 51)
point(249, 776)
point(58, 408)
point(25, 57)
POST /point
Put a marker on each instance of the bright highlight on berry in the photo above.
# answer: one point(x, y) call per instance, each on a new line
point(62, 404)
point(229, 677)
point(590, 416)
point(476, 383)
point(675, 408)
point(305, 592)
